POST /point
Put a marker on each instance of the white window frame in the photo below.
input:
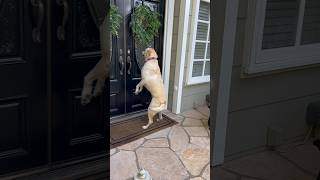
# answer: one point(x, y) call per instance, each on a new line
point(258, 60)
point(194, 24)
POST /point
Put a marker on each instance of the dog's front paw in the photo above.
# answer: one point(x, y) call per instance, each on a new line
point(98, 90)
point(137, 91)
point(85, 99)
point(144, 127)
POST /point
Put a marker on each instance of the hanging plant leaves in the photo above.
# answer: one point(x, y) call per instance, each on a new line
point(145, 24)
point(115, 19)
point(138, 53)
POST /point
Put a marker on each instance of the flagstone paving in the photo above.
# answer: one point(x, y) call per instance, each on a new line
point(175, 153)
point(120, 160)
point(195, 158)
point(182, 152)
point(161, 142)
point(290, 162)
point(206, 172)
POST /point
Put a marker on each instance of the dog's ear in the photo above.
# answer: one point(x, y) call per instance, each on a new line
point(155, 54)
point(147, 53)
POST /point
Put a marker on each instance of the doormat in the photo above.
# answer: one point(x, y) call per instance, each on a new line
point(131, 129)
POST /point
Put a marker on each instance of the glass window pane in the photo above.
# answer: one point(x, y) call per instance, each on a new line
point(199, 50)
point(204, 11)
point(197, 68)
point(207, 69)
point(202, 31)
point(280, 23)
point(311, 22)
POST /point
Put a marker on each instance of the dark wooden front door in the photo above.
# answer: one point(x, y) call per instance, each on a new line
point(23, 120)
point(77, 130)
point(125, 73)
point(41, 75)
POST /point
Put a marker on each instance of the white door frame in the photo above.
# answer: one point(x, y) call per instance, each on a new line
point(167, 44)
point(225, 13)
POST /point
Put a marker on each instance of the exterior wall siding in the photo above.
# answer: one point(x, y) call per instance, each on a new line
point(274, 100)
point(191, 95)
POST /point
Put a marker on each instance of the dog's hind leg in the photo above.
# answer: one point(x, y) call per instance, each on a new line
point(151, 114)
point(160, 116)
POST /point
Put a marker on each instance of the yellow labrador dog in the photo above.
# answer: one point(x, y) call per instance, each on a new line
point(152, 80)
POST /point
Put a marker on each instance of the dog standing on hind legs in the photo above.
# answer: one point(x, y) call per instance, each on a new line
point(151, 79)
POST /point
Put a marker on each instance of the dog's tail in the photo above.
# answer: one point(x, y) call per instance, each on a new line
point(160, 108)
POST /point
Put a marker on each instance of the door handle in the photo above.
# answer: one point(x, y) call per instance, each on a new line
point(36, 31)
point(61, 32)
point(129, 61)
point(121, 62)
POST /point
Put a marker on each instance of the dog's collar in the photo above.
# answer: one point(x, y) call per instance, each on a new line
point(152, 58)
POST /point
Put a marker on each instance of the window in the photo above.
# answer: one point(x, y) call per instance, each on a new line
point(286, 33)
point(199, 59)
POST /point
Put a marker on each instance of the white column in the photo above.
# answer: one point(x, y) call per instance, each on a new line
point(224, 22)
point(181, 54)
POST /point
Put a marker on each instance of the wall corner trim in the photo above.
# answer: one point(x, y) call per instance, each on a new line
point(181, 54)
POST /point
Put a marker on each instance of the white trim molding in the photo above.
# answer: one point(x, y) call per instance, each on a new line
point(194, 26)
point(181, 55)
point(168, 32)
point(224, 25)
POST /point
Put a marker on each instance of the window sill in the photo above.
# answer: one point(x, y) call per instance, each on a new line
point(245, 75)
point(198, 81)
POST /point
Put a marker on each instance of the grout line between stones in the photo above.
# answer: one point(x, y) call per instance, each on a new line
point(201, 112)
point(176, 154)
point(204, 168)
point(295, 164)
point(240, 175)
point(137, 160)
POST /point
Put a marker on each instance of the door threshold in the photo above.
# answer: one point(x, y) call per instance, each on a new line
point(127, 116)
point(88, 170)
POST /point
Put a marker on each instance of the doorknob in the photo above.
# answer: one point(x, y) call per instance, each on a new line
point(61, 32)
point(36, 32)
point(121, 62)
point(129, 61)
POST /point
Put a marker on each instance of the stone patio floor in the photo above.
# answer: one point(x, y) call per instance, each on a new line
point(183, 152)
point(176, 153)
point(288, 162)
